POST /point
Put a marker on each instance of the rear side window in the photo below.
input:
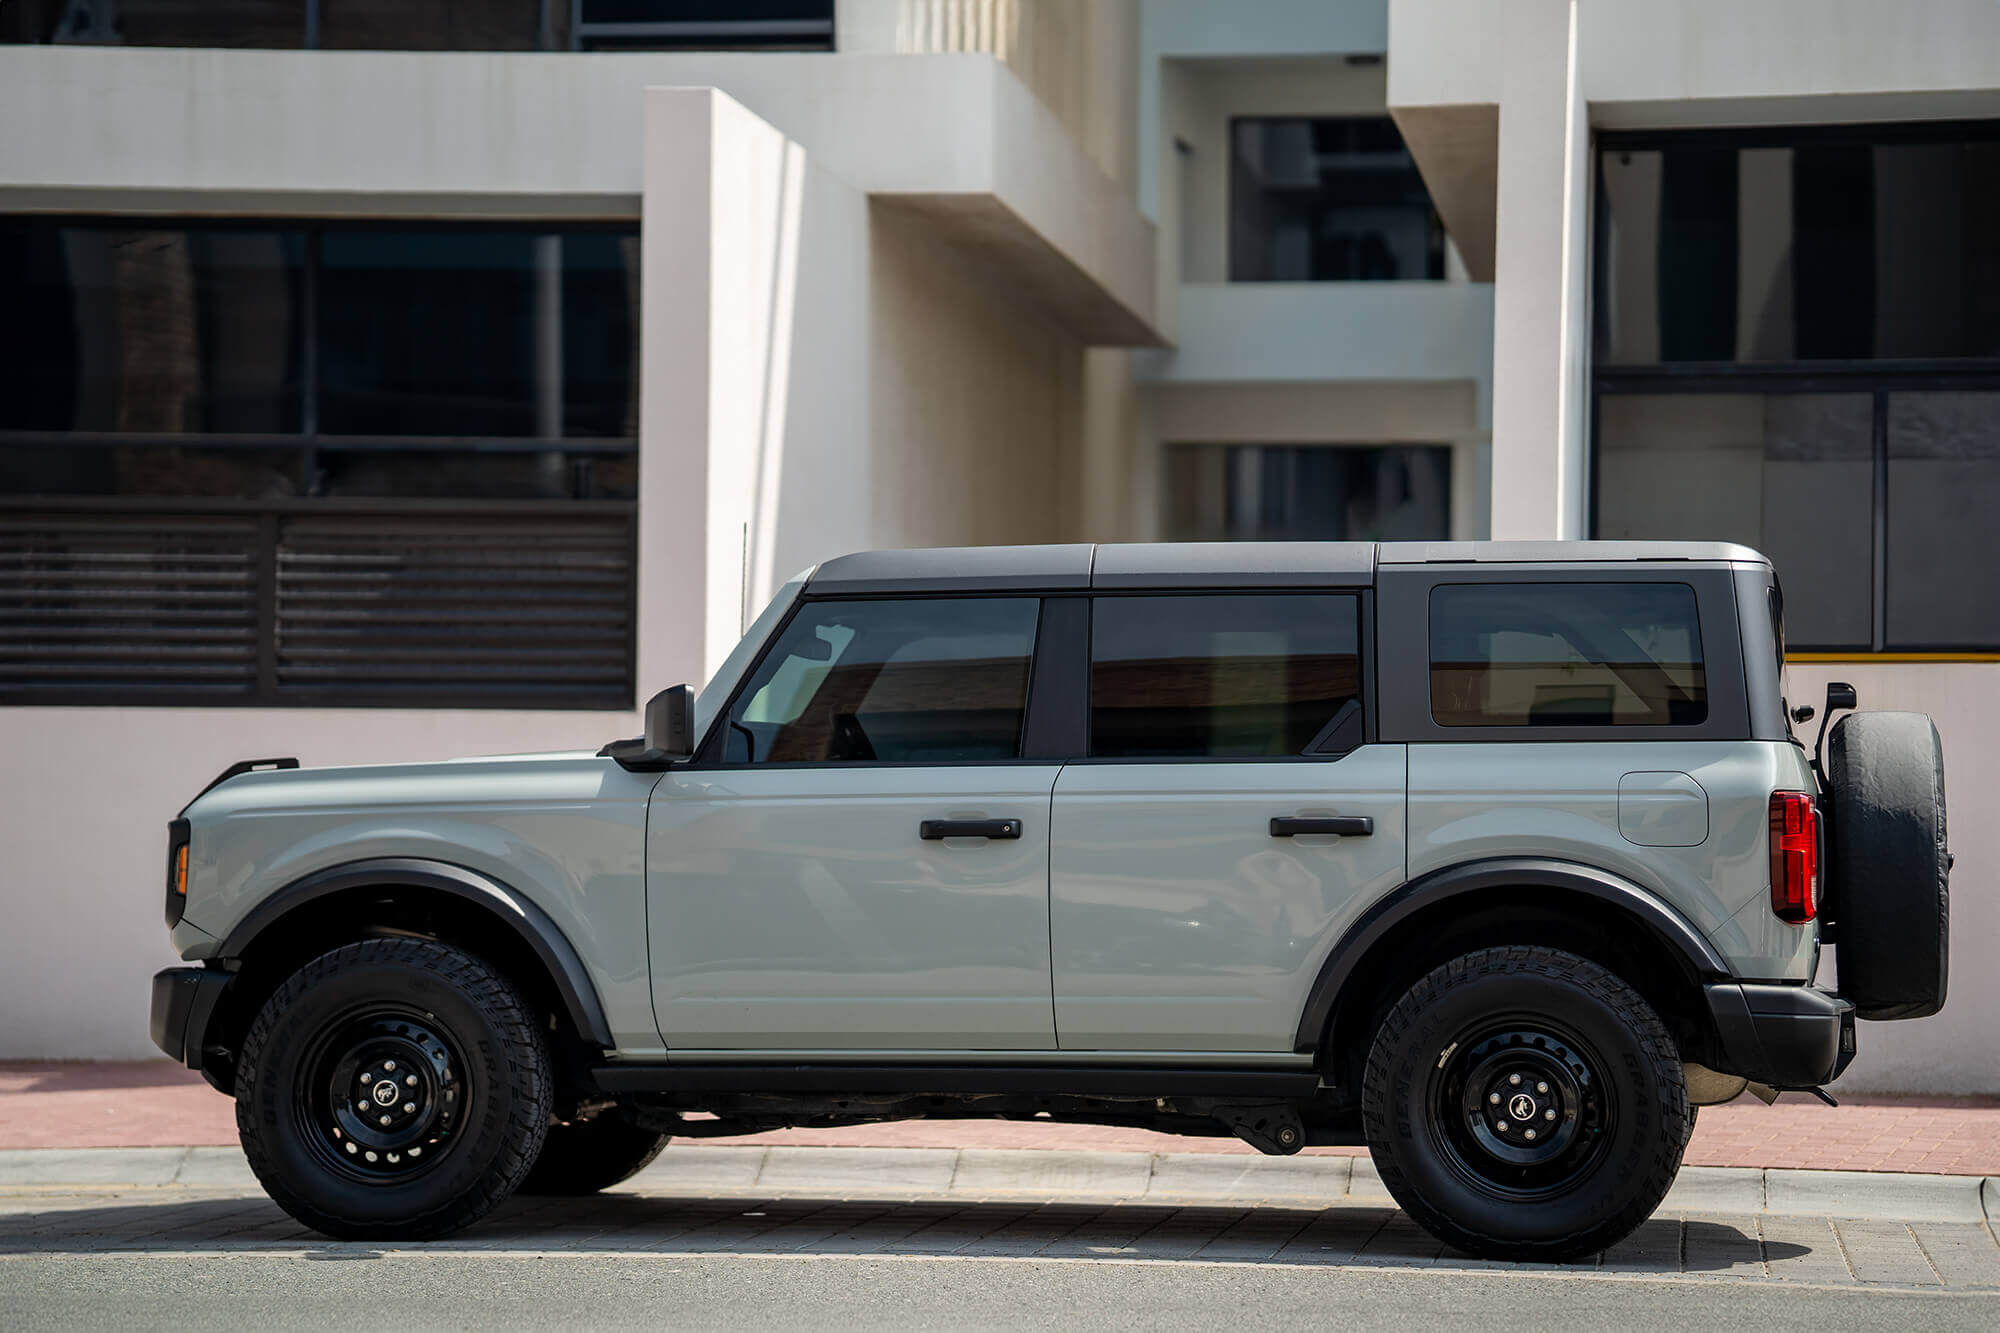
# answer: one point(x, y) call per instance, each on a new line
point(904, 681)
point(1224, 676)
point(1566, 655)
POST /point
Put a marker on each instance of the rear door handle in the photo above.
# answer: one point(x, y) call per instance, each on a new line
point(1349, 826)
point(934, 830)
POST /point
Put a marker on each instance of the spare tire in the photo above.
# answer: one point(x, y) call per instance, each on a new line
point(1887, 895)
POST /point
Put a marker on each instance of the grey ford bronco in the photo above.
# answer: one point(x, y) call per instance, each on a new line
point(1498, 858)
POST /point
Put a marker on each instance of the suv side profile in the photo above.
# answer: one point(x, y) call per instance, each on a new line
point(1498, 858)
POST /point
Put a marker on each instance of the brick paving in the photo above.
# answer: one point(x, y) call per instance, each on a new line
point(153, 1103)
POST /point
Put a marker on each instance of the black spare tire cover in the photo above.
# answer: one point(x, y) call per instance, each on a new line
point(1887, 893)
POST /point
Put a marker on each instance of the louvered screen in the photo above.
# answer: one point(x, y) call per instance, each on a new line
point(102, 609)
point(456, 610)
point(519, 608)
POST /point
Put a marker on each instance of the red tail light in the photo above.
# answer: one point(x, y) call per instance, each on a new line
point(1794, 857)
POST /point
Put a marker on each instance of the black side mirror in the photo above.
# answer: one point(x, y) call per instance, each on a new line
point(669, 737)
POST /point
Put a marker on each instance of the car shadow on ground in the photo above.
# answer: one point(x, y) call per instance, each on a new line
point(631, 1223)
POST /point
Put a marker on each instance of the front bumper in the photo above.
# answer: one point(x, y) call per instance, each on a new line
point(1784, 1036)
point(183, 1003)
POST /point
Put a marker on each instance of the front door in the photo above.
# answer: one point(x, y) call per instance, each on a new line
point(1228, 826)
point(864, 867)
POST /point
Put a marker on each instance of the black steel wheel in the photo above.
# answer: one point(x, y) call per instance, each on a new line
point(393, 1089)
point(1524, 1103)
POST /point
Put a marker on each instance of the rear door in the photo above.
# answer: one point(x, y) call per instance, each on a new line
point(1230, 821)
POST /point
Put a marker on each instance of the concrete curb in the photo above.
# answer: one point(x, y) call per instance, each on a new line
point(1216, 1178)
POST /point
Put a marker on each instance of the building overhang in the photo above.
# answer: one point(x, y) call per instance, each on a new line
point(955, 139)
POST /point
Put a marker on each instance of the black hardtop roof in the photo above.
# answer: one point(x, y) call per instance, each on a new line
point(1155, 565)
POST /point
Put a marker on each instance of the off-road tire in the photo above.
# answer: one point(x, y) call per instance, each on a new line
point(585, 1156)
point(1889, 868)
point(503, 1075)
point(1625, 1170)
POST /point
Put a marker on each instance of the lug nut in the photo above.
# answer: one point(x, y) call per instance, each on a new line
point(350, 1146)
point(361, 1106)
point(389, 1065)
point(1541, 1087)
point(1501, 1126)
point(366, 1079)
point(409, 1108)
point(1493, 1097)
point(416, 1152)
point(370, 1156)
point(410, 1080)
point(1530, 1134)
point(1548, 1115)
point(1514, 1079)
point(385, 1120)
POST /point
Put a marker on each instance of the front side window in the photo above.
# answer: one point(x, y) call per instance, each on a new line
point(940, 680)
point(1566, 655)
point(1224, 676)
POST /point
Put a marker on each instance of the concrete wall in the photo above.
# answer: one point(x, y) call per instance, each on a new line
point(88, 793)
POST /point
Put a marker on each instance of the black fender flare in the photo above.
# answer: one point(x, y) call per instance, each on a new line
point(1672, 929)
point(521, 914)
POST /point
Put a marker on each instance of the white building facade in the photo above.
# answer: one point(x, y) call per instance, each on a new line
point(394, 389)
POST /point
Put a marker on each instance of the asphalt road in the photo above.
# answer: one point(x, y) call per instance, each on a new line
point(347, 1288)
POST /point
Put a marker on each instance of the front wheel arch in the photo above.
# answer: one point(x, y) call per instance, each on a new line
point(405, 897)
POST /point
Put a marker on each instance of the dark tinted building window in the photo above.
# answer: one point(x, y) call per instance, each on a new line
point(1798, 348)
point(894, 681)
point(1789, 474)
point(1566, 655)
point(1835, 246)
point(235, 461)
point(1328, 200)
point(1943, 479)
point(1254, 492)
point(444, 332)
point(670, 25)
point(1224, 676)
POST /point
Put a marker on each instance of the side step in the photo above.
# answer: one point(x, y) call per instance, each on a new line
point(1121, 1082)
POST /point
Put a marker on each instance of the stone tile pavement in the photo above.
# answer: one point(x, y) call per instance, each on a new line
point(156, 1103)
point(1742, 1226)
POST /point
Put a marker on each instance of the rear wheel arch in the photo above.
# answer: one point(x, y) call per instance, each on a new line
point(1515, 900)
point(410, 897)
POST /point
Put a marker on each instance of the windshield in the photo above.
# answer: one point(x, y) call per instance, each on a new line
point(714, 694)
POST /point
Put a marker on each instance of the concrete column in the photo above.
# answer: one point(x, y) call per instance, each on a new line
point(717, 275)
point(1539, 311)
point(753, 422)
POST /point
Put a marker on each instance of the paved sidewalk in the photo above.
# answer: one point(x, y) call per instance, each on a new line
point(154, 1103)
point(1824, 1229)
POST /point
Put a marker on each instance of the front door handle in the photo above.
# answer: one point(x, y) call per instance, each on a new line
point(1348, 826)
point(934, 830)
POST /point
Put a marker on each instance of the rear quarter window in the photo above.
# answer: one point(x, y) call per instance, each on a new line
point(1566, 655)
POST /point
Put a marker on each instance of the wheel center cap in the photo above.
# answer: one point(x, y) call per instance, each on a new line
point(385, 1093)
point(1521, 1108)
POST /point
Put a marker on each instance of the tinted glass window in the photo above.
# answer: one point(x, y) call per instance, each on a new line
point(1790, 474)
point(1328, 200)
point(1943, 585)
point(1845, 246)
point(149, 329)
point(1566, 655)
point(1190, 677)
point(933, 681)
point(1286, 492)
